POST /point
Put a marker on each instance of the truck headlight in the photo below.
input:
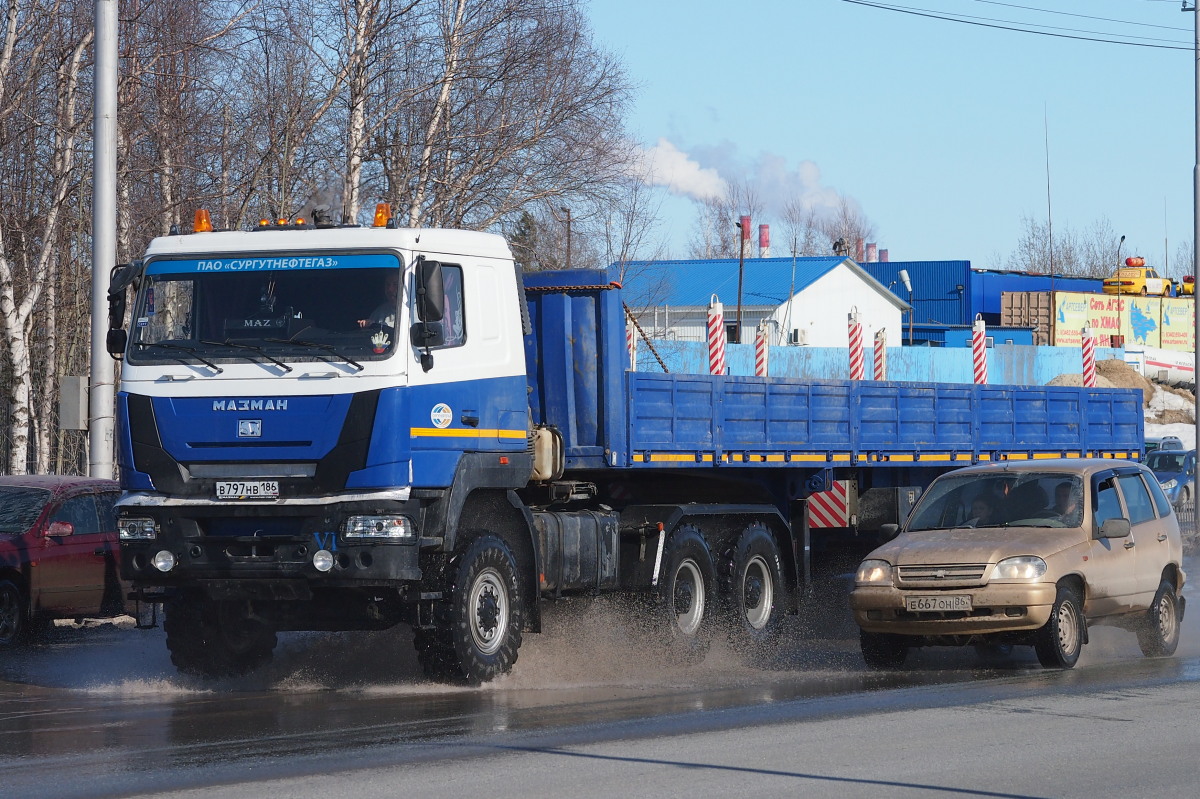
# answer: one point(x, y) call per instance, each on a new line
point(137, 529)
point(1167, 486)
point(874, 572)
point(1025, 567)
point(388, 528)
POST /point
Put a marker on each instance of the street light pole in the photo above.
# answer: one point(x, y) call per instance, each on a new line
point(1118, 274)
point(1196, 219)
point(741, 272)
point(567, 211)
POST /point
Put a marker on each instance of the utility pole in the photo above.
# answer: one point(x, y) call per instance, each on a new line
point(101, 393)
point(567, 211)
point(741, 272)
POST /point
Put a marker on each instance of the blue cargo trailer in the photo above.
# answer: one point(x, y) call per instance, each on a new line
point(476, 446)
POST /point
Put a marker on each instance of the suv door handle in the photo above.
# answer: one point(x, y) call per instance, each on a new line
point(100, 551)
point(1162, 536)
point(1130, 544)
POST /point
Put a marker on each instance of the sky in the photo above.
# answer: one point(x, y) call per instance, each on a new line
point(946, 135)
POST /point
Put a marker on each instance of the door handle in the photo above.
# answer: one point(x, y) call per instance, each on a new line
point(1129, 544)
point(470, 419)
point(1162, 536)
point(100, 551)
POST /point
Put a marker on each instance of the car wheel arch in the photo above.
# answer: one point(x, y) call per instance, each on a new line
point(1077, 581)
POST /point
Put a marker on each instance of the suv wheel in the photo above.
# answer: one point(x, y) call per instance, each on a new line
point(1159, 634)
point(1060, 640)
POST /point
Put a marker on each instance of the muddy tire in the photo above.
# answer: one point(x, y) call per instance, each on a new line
point(216, 639)
point(685, 596)
point(480, 639)
point(1060, 640)
point(1158, 636)
point(754, 590)
point(882, 650)
point(14, 614)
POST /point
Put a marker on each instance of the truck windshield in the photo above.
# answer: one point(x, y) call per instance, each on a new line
point(1008, 499)
point(268, 309)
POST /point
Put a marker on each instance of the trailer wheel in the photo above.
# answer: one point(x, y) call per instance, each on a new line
point(754, 588)
point(685, 595)
point(216, 639)
point(486, 613)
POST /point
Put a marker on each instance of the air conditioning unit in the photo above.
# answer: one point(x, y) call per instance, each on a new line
point(798, 337)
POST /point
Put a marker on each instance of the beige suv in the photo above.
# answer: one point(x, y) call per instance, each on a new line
point(1026, 553)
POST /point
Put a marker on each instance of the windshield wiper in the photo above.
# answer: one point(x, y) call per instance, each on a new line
point(192, 351)
point(239, 345)
point(316, 345)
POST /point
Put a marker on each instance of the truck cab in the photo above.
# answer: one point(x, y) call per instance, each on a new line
point(295, 405)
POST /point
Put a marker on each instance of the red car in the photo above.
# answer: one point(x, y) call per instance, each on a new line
point(58, 552)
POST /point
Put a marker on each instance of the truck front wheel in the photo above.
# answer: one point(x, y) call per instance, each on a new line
point(216, 639)
point(480, 633)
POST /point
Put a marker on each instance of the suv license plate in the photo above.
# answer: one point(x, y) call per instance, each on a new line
point(941, 602)
point(248, 489)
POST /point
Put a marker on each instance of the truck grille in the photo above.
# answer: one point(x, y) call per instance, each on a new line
point(953, 574)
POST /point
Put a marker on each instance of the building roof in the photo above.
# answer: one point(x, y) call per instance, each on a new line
point(765, 281)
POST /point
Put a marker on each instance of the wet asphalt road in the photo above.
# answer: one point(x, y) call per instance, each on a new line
point(98, 710)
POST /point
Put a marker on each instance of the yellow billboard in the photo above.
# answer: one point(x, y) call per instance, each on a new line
point(1163, 322)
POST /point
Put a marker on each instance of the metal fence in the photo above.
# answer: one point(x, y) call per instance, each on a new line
point(1186, 513)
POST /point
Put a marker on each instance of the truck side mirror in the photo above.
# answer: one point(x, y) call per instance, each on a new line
point(430, 293)
point(115, 341)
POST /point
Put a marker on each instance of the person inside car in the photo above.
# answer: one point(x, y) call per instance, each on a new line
point(1066, 504)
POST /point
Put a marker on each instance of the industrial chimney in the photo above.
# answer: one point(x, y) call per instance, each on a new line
point(745, 244)
point(764, 241)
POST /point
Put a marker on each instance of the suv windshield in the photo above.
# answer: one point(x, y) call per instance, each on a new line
point(321, 306)
point(1008, 499)
point(1166, 460)
point(20, 507)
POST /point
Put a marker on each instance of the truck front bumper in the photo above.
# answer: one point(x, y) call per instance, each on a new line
point(281, 546)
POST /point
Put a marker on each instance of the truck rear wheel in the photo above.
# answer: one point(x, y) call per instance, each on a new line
point(754, 588)
point(685, 594)
point(216, 639)
point(480, 629)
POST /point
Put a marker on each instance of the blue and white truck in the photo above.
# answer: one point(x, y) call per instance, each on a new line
point(293, 456)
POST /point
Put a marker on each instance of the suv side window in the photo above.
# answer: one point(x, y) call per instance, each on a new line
point(1161, 503)
point(81, 513)
point(1137, 499)
point(106, 508)
point(1107, 504)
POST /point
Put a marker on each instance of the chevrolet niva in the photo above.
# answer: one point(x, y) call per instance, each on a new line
point(1026, 553)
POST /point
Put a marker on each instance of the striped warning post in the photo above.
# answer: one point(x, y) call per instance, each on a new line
point(716, 337)
point(631, 344)
point(979, 351)
point(856, 348)
point(830, 508)
point(760, 352)
point(881, 354)
point(1089, 358)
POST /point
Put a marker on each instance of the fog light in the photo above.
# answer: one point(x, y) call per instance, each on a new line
point(323, 560)
point(164, 561)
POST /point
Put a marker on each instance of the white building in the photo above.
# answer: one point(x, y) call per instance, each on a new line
point(805, 301)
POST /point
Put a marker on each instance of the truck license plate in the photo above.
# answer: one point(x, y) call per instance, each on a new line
point(942, 602)
point(248, 489)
